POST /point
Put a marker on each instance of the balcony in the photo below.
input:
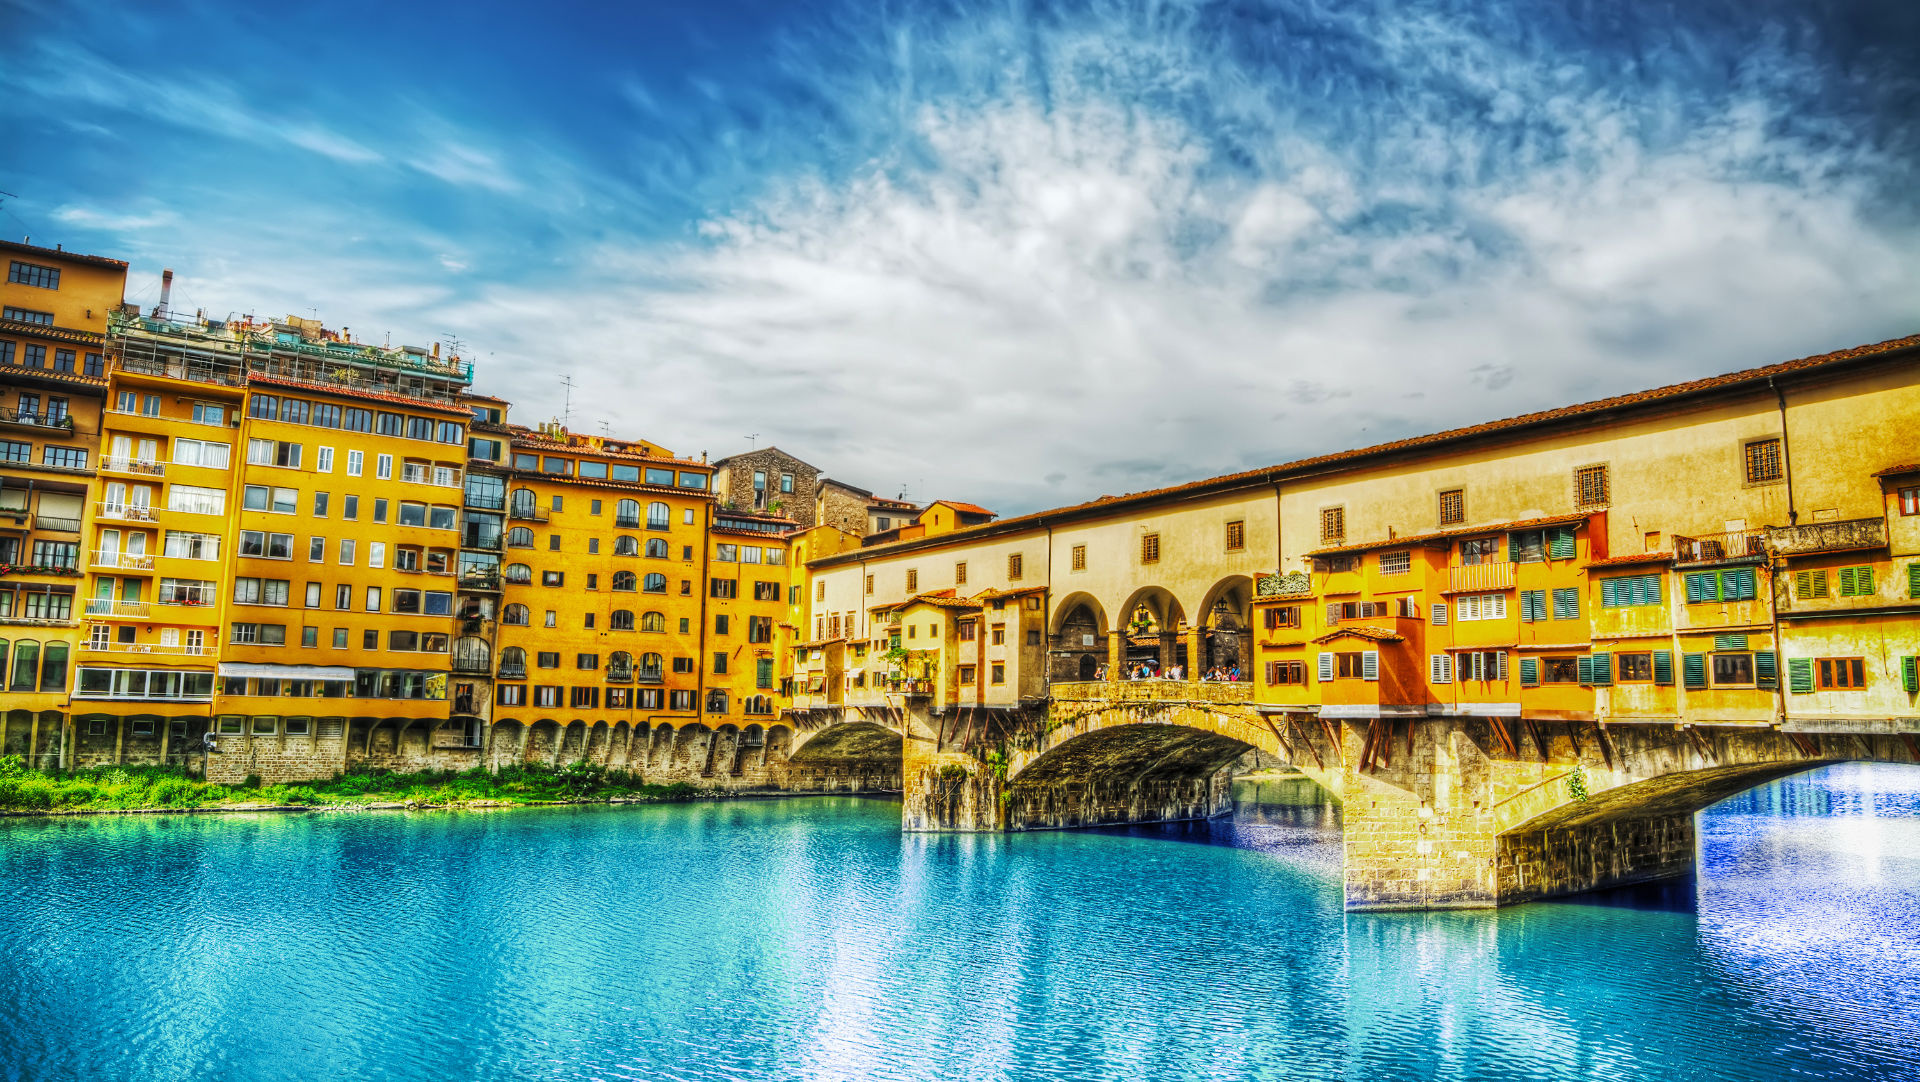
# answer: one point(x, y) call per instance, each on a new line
point(143, 467)
point(125, 512)
point(437, 476)
point(648, 676)
point(21, 620)
point(619, 676)
point(522, 512)
point(479, 542)
point(193, 371)
point(474, 665)
point(1720, 547)
point(1850, 535)
point(485, 582)
point(56, 523)
point(145, 648)
point(106, 606)
point(56, 425)
point(1472, 578)
point(130, 561)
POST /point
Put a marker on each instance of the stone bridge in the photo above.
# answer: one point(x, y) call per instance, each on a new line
point(1437, 813)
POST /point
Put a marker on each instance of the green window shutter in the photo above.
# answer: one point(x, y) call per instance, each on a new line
point(1749, 584)
point(1663, 667)
point(1530, 670)
point(1766, 668)
point(1800, 675)
point(1803, 585)
point(1913, 579)
point(1729, 642)
point(1817, 583)
point(1533, 605)
point(1560, 543)
point(1849, 581)
point(1609, 593)
point(1863, 582)
point(1602, 670)
point(1566, 603)
point(1653, 590)
point(1586, 670)
point(1702, 586)
point(1910, 671)
point(1693, 669)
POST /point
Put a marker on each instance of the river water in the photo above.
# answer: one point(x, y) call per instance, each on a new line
point(809, 939)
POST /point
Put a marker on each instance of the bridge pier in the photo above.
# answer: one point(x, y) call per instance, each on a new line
point(947, 786)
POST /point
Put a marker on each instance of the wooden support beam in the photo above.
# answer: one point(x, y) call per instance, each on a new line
point(1913, 746)
point(1500, 733)
point(1601, 738)
point(1281, 740)
point(1539, 741)
point(1366, 746)
point(1333, 738)
point(1573, 737)
point(1305, 740)
point(1410, 725)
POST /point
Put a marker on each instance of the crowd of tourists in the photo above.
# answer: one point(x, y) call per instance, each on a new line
point(1147, 670)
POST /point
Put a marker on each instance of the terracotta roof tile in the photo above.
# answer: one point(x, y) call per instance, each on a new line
point(967, 508)
point(1895, 471)
point(1634, 558)
point(1448, 535)
point(1362, 631)
point(61, 253)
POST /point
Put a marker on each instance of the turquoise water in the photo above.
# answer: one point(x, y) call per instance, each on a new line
point(810, 939)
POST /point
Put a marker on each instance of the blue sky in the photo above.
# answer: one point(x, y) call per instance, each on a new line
point(1014, 253)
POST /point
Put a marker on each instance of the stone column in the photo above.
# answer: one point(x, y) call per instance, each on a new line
point(1114, 654)
point(944, 791)
point(1195, 652)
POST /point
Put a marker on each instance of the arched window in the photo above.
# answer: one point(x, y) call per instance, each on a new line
point(515, 615)
point(657, 548)
point(513, 662)
point(716, 701)
point(651, 621)
point(523, 502)
point(659, 516)
point(472, 655)
point(651, 666)
point(53, 667)
point(519, 538)
point(519, 573)
point(656, 583)
point(625, 546)
point(627, 514)
point(622, 620)
point(26, 664)
point(625, 581)
point(756, 704)
point(619, 665)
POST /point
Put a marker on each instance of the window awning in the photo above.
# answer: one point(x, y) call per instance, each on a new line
point(289, 672)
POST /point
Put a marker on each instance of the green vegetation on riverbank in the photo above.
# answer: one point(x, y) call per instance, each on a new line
point(132, 788)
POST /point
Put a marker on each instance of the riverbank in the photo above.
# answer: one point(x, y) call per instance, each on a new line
point(131, 789)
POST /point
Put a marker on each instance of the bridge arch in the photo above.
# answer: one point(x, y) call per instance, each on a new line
point(846, 756)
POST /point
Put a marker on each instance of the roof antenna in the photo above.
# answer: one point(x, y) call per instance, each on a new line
point(566, 409)
point(753, 442)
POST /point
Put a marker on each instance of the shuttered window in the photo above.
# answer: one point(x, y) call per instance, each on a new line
point(1693, 670)
point(1663, 667)
point(1842, 673)
point(1913, 579)
point(1533, 606)
point(1440, 668)
point(1560, 543)
point(1856, 582)
point(1736, 584)
point(1630, 590)
point(1370, 665)
point(1910, 674)
point(1601, 674)
point(1529, 672)
point(1326, 667)
point(1439, 613)
point(1800, 675)
point(1766, 669)
point(1566, 603)
point(1150, 548)
point(1809, 585)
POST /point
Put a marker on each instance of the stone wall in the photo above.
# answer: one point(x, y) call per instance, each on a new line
point(839, 508)
point(734, 483)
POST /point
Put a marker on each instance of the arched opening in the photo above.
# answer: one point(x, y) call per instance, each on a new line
point(1226, 637)
point(854, 757)
point(1151, 623)
point(1129, 773)
point(1079, 639)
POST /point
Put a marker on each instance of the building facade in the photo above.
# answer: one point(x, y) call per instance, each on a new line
point(769, 480)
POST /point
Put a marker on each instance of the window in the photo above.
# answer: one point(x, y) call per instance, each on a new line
point(1735, 584)
point(913, 582)
point(1809, 585)
point(251, 591)
point(1281, 616)
point(968, 630)
point(1396, 563)
point(373, 599)
point(1566, 603)
point(659, 516)
point(968, 674)
point(1732, 669)
point(1236, 535)
point(720, 663)
point(200, 453)
point(1762, 460)
point(1629, 591)
point(320, 504)
point(548, 659)
point(33, 274)
point(588, 698)
point(1856, 581)
point(72, 458)
point(654, 583)
point(1590, 487)
point(271, 546)
point(1150, 548)
point(356, 460)
point(29, 315)
point(347, 545)
point(1489, 665)
point(1636, 668)
point(1453, 507)
point(383, 467)
point(1839, 673)
point(869, 585)
point(1333, 525)
point(960, 572)
point(546, 696)
point(1910, 501)
point(721, 624)
point(553, 578)
point(1469, 607)
point(1286, 672)
point(260, 634)
point(1015, 567)
point(1079, 562)
point(202, 501)
point(273, 452)
point(720, 588)
point(726, 554)
point(350, 507)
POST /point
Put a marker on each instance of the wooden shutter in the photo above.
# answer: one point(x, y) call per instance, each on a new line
point(1586, 670)
point(1560, 543)
point(1913, 579)
point(1729, 642)
point(1749, 584)
point(1566, 603)
point(1910, 670)
point(1693, 670)
point(1439, 613)
point(1333, 613)
point(1503, 666)
point(1529, 671)
point(1532, 602)
point(1610, 593)
point(1440, 669)
point(1663, 667)
point(1800, 675)
point(1702, 586)
point(1370, 665)
point(1602, 670)
point(1326, 667)
point(1810, 585)
point(1766, 669)
point(1499, 607)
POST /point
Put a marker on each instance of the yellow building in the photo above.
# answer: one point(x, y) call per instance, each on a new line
point(53, 322)
point(272, 550)
point(604, 577)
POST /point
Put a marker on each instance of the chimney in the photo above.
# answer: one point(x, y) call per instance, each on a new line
point(166, 293)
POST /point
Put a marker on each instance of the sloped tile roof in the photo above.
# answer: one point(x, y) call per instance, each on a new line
point(1448, 535)
point(1362, 631)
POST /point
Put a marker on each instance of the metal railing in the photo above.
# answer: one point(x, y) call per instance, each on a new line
point(38, 419)
point(56, 522)
point(1732, 545)
point(106, 606)
point(521, 512)
point(132, 561)
point(145, 648)
point(512, 674)
point(1471, 577)
point(477, 665)
point(126, 512)
point(182, 369)
point(116, 464)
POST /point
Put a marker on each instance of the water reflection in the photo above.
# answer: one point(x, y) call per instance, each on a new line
point(810, 939)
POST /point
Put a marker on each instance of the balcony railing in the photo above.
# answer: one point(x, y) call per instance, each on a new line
point(177, 368)
point(481, 542)
point(487, 582)
point(1212, 691)
point(22, 620)
point(1713, 548)
point(521, 512)
point(477, 665)
point(53, 424)
point(126, 512)
point(619, 676)
point(57, 523)
point(514, 673)
point(648, 676)
point(106, 606)
point(1474, 577)
point(115, 464)
point(1849, 535)
point(145, 648)
point(132, 561)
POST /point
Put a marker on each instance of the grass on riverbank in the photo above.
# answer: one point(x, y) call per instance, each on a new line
point(127, 788)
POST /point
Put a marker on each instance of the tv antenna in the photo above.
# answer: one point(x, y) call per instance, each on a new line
point(456, 347)
point(753, 442)
point(566, 409)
